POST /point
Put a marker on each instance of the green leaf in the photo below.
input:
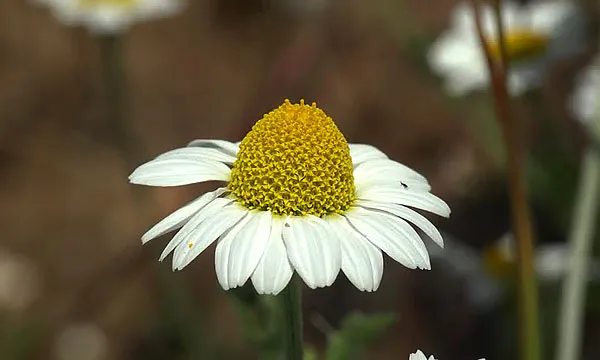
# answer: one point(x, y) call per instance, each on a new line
point(357, 333)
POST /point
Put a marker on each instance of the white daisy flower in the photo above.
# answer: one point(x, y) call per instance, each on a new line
point(585, 102)
point(419, 355)
point(297, 198)
point(535, 35)
point(550, 260)
point(110, 16)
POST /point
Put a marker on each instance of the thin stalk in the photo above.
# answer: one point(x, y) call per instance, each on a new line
point(580, 239)
point(521, 218)
point(292, 316)
point(113, 75)
point(505, 63)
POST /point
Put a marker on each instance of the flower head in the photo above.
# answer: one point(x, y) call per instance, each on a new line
point(586, 99)
point(110, 16)
point(297, 198)
point(535, 35)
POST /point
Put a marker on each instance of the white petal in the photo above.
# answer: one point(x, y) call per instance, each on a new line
point(452, 52)
point(222, 145)
point(178, 218)
point(313, 249)
point(222, 253)
point(568, 33)
point(392, 235)
point(207, 211)
point(362, 152)
point(547, 17)
point(387, 165)
point(462, 16)
point(209, 230)
point(586, 97)
point(176, 172)
point(199, 154)
point(408, 237)
point(274, 270)
point(474, 78)
point(408, 214)
point(417, 199)
point(362, 262)
point(247, 248)
point(419, 355)
point(389, 171)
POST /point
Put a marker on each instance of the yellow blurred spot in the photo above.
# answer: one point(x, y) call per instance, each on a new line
point(115, 3)
point(499, 257)
point(520, 45)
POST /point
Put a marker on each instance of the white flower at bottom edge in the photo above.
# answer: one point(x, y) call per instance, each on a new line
point(585, 102)
point(297, 198)
point(110, 16)
point(535, 36)
point(419, 355)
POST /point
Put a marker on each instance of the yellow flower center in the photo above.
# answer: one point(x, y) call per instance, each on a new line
point(294, 161)
point(115, 3)
point(521, 45)
point(499, 258)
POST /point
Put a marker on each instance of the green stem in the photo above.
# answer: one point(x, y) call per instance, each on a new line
point(521, 219)
point(113, 75)
point(292, 315)
point(581, 236)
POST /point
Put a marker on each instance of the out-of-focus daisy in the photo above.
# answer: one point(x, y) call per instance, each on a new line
point(110, 16)
point(297, 198)
point(586, 100)
point(419, 355)
point(535, 36)
point(550, 261)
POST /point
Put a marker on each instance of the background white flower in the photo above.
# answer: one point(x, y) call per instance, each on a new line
point(536, 35)
point(550, 260)
point(419, 355)
point(585, 102)
point(110, 16)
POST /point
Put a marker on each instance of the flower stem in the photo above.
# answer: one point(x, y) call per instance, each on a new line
point(114, 87)
point(521, 219)
point(581, 236)
point(292, 316)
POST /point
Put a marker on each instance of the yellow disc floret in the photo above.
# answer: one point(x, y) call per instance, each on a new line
point(294, 161)
point(521, 45)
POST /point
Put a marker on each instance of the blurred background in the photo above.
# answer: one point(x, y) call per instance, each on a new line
point(75, 281)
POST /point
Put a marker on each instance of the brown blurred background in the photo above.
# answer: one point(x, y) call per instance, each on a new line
point(75, 281)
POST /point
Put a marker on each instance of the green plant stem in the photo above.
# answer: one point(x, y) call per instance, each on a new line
point(521, 218)
point(580, 239)
point(292, 314)
point(113, 75)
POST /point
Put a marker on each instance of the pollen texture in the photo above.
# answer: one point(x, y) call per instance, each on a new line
point(294, 161)
point(520, 45)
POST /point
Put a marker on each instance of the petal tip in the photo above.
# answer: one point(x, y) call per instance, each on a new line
point(146, 238)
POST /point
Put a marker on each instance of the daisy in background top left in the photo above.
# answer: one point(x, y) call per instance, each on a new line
point(106, 17)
